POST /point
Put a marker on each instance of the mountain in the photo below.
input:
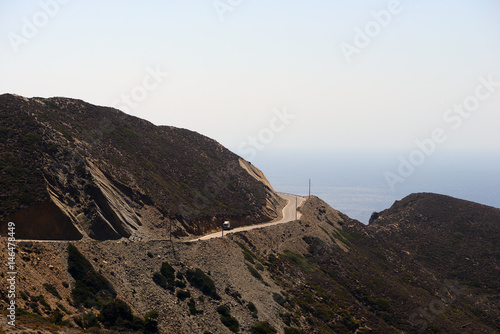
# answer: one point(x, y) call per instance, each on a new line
point(107, 189)
point(428, 264)
point(457, 238)
point(71, 170)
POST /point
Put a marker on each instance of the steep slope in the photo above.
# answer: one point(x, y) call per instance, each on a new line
point(455, 238)
point(97, 172)
point(449, 250)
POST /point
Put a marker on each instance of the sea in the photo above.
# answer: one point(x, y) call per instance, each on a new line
point(361, 182)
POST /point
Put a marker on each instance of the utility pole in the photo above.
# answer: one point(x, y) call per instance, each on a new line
point(309, 188)
point(295, 207)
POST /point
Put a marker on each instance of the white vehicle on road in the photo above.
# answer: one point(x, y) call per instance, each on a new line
point(289, 213)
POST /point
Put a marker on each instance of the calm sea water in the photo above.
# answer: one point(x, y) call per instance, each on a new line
point(354, 182)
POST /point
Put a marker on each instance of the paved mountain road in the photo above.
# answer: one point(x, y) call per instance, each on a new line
point(289, 214)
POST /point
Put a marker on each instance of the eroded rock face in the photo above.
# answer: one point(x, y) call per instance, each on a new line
point(44, 221)
point(99, 173)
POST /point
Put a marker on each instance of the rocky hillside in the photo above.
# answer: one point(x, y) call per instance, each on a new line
point(458, 238)
point(71, 170)
point(429, 264)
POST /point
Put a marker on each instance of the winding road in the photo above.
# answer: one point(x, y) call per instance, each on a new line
point(289, 214)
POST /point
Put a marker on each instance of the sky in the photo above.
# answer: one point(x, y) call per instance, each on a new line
point(259, 76)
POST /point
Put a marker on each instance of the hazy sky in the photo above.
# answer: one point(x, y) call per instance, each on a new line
point(308, 74)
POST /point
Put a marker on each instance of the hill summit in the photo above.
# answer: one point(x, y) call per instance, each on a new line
point(72, 170)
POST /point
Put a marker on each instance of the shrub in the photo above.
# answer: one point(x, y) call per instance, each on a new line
point(254, 272)
point(89, 284)
point(43, 302)
point(291, 330)
point(200, 280)
point(150, 322)
point(160, 280)
point(24, 295)
point(263, 327)
point(231, 323)
point(298, 259)
point(163, 282)
point(52, 289)
point(226, 318)
point(56, 317)
point(278, 298)
point(348, 321)
point(89, 320)
point(78, 321)
point(116, 314)
point(383, 304)
point(252, 308)
point(247, 254)
point(235, 294)
point(62, 308)
point(112, 310)
point(223, 310)
point(31, 139)
point(180, 284)
point(183, 294)
point(168, 271)
point(123, 135)
point(151, 315)
point(192, 307)
point(286, 317)
point(272, 258)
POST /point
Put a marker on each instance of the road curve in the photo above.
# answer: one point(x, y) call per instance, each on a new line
point(289, 214)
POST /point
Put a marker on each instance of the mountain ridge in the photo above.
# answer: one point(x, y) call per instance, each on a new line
point(68, 150)
point(128, 192)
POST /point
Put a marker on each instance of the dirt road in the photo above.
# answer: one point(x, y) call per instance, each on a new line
point(289, 214)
